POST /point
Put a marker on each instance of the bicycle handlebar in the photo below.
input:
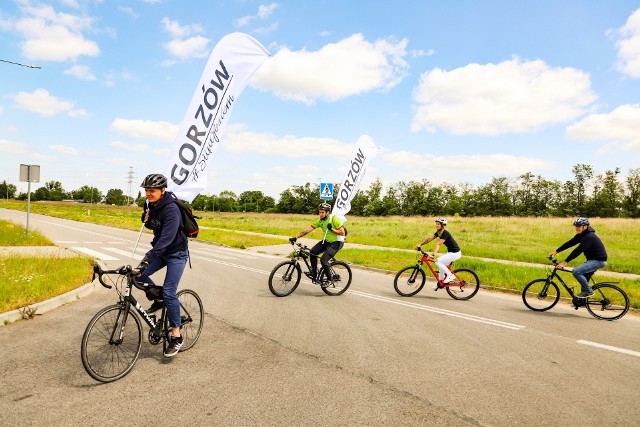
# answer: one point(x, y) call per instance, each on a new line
point(99, 269)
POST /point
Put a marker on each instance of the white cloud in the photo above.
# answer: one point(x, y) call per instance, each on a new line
point(461, 166)
point(80, 113)
point(193, 47)
point(175, 30)
point(266, 30)
point(41, 102)
point(164, 131)
point(183, 46)
point(629, 46)
point(13, 147)
point(54, 36)
point(128, 11)
point(335, 71)
point(619, 127)
point(240, 141)
point(64, 149)
point(265, 10)
point(492, 99)
point(137, 148)
point(81, 72)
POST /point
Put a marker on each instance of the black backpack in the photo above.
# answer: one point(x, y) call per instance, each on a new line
point(189, 224)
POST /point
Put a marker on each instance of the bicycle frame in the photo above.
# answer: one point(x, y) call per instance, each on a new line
point(427, 259)
point(127, 300)
point(578, 302)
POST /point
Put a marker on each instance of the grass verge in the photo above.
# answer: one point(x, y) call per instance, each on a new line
point(29, 280)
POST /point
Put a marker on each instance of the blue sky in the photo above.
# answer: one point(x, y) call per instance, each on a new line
point(452, 91)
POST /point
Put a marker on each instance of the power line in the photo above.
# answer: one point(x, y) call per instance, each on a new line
point(22, 65)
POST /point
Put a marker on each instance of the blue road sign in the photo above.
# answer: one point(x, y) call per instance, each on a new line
point(326, 191)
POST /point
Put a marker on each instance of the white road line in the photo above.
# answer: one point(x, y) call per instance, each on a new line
point(464, 316)
point(610, 348)
point(210, 253)
point(118, 251)
point(94, 254)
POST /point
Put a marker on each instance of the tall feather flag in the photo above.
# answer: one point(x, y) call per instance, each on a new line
point(365, 150)
point(232, 62)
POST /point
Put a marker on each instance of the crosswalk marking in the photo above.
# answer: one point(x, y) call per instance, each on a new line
point(94, 254)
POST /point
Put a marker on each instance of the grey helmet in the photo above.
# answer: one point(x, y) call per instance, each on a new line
point(580, 222)
point(324, 206)
point(155, 180)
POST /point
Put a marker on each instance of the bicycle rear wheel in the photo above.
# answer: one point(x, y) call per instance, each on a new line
point(191, 318)
point(539, 296)
point(111, 343)
point(284, 278)
point(409, 281)
point(465, 285)
point(339, 281)
point(608, 302)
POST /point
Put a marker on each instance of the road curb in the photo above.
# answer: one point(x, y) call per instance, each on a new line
point(48, 305)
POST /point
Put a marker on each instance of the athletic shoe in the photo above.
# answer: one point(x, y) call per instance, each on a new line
point(437, 286)
point(311, 275)
point(157, 305)
point(174, 346)
point(585, 294)
point(448, 279)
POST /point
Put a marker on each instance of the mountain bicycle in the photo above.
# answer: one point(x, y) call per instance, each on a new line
point(608, 301)
point(285, 277)
point(410, 280)
point(112, 340)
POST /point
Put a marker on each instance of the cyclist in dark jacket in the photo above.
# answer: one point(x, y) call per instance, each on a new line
point(593, 249)
point(169, 249)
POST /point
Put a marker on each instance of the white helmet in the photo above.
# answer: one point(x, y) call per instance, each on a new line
point(441, 221)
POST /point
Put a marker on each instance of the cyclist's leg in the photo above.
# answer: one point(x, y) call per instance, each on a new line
point(331, 250)
point(176, 263)
point(443, 263)
point(315, 252)
point(155, 265)
point(589, 266)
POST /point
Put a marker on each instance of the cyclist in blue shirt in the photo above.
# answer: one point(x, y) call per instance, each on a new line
point(593, 249)
point(169, 249)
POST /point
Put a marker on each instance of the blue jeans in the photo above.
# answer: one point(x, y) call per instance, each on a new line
point(175, 264)
point(588, 267)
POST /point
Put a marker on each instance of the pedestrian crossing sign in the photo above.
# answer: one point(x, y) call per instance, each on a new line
point(326, 191)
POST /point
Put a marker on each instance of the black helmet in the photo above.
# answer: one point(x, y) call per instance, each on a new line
point(324, 206)
point(155, 180)
point(581, 222)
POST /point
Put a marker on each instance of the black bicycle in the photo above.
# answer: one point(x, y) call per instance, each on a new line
point(285, 277)
point(112, 340)
point(608, 301)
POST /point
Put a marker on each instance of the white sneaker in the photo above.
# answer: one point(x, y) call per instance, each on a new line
point(448, 279)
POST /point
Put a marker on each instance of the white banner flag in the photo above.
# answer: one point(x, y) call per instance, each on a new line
point(366, 149)
point(233, 61)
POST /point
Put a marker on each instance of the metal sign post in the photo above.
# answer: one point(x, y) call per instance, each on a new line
point(29, 174)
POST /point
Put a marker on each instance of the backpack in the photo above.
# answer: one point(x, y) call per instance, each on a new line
point(189, 224)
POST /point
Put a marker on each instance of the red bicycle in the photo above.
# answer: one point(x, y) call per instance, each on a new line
point(410, 280)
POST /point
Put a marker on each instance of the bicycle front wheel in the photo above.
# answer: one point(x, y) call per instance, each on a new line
point(339, 281)
point(191, 318)
point(465, 285)
point(608, 302)
point(540, 295)
point(111, 343)
point(409, 281)
point(284, 278)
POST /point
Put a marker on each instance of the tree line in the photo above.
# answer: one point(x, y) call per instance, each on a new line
point(587, 194)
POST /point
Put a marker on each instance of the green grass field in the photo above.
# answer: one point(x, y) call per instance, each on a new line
point(514, 239)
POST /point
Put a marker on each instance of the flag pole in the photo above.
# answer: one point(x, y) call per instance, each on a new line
point(133, 254)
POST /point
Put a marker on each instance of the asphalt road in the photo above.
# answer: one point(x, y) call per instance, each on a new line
point(368, 357)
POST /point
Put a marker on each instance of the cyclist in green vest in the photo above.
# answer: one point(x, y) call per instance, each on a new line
point(330, 245)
